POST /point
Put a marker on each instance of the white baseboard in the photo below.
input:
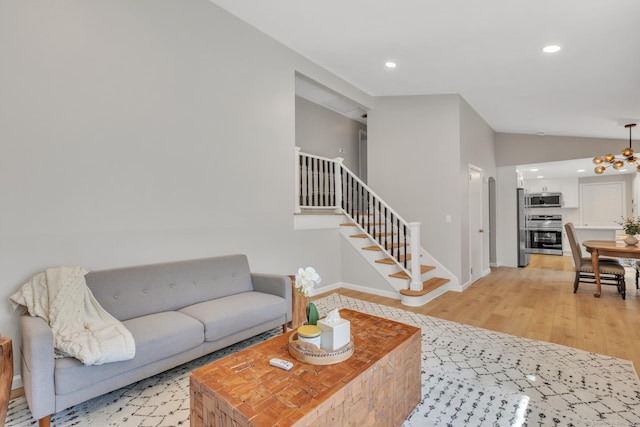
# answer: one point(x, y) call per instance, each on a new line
point(359, 288)
point(16, 382)
point(468, 283)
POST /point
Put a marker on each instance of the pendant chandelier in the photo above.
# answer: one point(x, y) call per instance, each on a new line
point(603, 162)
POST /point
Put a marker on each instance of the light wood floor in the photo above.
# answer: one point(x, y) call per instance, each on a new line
point(538, 302)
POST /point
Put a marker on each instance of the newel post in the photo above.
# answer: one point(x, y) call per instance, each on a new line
point(337, 177)
point(416, 276)
point(296, 185)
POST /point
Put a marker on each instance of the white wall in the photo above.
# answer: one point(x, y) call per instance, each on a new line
point(143, 131)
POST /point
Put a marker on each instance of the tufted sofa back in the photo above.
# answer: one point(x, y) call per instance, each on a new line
point(140, 290)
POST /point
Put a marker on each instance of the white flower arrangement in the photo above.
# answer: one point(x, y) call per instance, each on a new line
point(306, 280)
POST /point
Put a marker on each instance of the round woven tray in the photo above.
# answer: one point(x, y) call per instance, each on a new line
point(310, 353)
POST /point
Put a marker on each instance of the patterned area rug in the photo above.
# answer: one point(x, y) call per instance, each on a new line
point(470, 377)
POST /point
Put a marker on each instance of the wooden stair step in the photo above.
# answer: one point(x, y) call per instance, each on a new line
point(391, 261)
point(363, 235)
point(376, 248)
point(353, 224)
point(427, 286)
point(397, 245)
point(404, 275)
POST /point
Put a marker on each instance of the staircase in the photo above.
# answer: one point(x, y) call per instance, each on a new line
point(392, 269)
point(390, 244)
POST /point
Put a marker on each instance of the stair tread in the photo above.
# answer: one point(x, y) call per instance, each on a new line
point(391, 261)
point(404, 275)
point(397, 245)
point(427, 286)
point(363, 235)
point(376, 248)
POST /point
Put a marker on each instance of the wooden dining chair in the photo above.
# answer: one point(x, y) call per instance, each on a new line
point(611, 271)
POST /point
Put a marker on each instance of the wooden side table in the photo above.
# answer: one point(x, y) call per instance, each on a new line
point(298, 306)
point(6, 376)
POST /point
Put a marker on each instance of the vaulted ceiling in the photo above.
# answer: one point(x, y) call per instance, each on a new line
point(489, 52)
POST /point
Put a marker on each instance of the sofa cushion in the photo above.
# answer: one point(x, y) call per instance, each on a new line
point(157, 336)
point(131, 292)
point(225, 316)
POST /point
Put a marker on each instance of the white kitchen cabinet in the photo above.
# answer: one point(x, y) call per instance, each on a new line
point(541, 186)
point(570, 192)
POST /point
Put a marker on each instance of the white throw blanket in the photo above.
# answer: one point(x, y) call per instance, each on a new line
point(81, 327)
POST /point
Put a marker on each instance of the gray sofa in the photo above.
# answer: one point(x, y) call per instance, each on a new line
point(176, 312)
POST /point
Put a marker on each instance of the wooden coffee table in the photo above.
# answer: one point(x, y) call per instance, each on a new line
point(379, 385)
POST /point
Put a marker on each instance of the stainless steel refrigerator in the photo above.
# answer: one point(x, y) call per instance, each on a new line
point(523, 253)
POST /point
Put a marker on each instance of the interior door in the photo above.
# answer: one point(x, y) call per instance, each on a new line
point(476, 231)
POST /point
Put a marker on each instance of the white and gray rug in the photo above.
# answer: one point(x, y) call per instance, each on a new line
point(470, 377)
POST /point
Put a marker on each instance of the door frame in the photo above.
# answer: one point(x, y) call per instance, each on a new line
point(476, 216)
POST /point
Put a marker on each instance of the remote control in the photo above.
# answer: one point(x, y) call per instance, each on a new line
point(282, 364)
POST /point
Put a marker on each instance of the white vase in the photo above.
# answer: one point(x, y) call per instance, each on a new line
point(631, 240)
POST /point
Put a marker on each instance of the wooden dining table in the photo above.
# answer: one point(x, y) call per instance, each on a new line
point(610, 248)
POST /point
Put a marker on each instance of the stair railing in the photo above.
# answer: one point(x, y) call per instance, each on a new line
point(323, 183)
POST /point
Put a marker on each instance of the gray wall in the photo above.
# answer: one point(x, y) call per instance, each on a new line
point(516, 149)
point(144, 131)
point(413, 149)
point(477, 148)
point(420, 148)
point(323, 132)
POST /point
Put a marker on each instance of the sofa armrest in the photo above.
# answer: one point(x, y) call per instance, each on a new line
point(37, 365)
point(274, 284)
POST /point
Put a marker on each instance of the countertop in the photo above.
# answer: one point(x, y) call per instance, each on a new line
point(597, 227)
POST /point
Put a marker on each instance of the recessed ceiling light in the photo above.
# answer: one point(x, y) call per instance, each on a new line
point(534, 170)
point(390, 64)
point(552, 48)
point(580, 170)
point(540, 176)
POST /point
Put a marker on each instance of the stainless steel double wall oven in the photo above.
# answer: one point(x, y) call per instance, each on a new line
point(544, 234)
